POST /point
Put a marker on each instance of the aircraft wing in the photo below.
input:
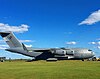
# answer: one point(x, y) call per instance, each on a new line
point(42, 50)
point(45, 49)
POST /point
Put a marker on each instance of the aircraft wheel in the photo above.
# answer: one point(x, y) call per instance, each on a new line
point(82, 59)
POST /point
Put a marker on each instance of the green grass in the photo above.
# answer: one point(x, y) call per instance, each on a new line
point(50, 70)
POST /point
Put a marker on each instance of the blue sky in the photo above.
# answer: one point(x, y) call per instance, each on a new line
point(52, 23)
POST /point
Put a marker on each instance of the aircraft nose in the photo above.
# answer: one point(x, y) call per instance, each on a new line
point(92, 53)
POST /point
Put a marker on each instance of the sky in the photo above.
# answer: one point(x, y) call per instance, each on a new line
point(51, 24)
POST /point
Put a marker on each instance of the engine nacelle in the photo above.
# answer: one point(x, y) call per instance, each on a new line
point(69, 52)
point(59, 52)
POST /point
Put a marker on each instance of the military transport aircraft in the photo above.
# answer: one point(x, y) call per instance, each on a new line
point(45, 53)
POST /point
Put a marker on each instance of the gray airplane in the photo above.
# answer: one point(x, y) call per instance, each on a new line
point(45, 53)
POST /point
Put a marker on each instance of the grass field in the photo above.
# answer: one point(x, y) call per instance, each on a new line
point(50, 70)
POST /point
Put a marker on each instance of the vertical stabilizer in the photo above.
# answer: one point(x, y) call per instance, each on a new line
point(10, 39)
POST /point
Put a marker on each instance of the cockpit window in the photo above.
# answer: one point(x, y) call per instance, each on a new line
point(89, 50)
point(72, 51)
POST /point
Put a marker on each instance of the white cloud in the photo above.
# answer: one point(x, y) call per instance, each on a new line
point(92, 42)
point(19, 29)
point(95, 43)
point(71, 43)
point(2, 41)
point(92, 18)
point(98, 42)
point(26, 41)
point(28, 45)
point(98, 47)
point(4, 46)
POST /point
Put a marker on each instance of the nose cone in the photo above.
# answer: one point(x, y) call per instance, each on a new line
point(90, 53)
point(93, 54)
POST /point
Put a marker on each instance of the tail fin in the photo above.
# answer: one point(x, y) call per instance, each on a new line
point(10, 39)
